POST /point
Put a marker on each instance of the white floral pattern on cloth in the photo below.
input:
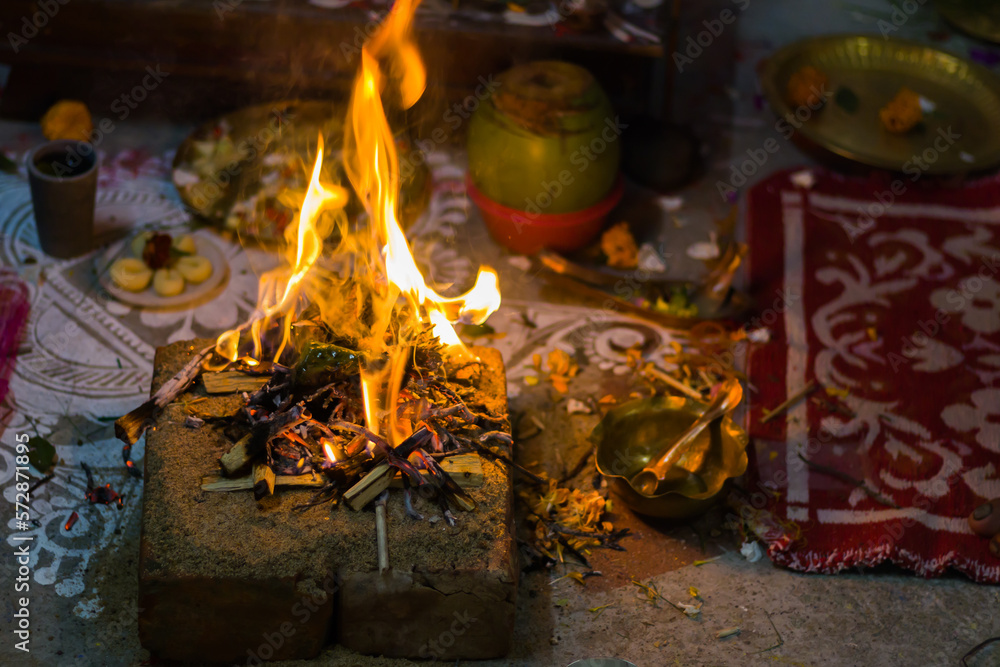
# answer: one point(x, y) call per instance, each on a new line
point(978, 301)
point(901, 324)
point(982, 417)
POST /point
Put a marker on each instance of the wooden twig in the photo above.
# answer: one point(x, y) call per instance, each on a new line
point(237, 458)
point(232, 382)
point(245, 483)
point(676, 384)
point(263, 480)
point(465, 469)
point(369, 487)
point(362, 431)
point(130, 427)
point(790, 401)
point(253, 444)
point(844, 477)
point(493, 456)
point(780, 641)
point(381, 536)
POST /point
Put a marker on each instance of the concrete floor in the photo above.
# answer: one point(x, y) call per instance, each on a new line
point(856, 620)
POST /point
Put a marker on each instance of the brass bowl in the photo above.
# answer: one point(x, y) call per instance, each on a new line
point(635, 433)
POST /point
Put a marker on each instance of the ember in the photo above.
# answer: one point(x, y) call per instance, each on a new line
point(103, 495)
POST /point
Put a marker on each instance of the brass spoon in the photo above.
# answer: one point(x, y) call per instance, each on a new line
point(648, 480)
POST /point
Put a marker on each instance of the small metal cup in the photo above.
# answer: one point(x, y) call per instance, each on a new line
point(63, 179)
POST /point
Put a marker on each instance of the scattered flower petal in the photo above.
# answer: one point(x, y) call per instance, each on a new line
point(751, 551)
point(803, 179)
point(704, 249)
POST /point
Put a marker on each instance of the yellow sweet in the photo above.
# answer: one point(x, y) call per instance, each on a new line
point(807, 87)
point(131, 274)
point(902, 113)
point(67, 119)
point(194, 268)
point(168, 282)
point(185, 243)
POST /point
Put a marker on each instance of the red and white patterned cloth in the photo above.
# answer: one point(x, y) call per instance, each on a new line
point(887, 294)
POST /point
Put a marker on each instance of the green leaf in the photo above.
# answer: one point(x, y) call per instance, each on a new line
point(41, 454)
point(846, 99)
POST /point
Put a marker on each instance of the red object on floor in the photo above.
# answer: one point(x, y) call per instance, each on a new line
point(886, 292)
point(14, 308)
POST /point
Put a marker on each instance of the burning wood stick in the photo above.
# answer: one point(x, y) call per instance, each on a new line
point(789, 402)
point(369, 487)
point(263, 480)
point(130, 428)
point(245, 483)
point(254, 443)
point(381, 535)
point(232, 382)
point(465, 469)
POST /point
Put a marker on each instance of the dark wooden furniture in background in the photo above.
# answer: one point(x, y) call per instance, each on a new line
point(222, 54)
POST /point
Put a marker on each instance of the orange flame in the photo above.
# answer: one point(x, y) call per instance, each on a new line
point(382, 267)
point(373, 167)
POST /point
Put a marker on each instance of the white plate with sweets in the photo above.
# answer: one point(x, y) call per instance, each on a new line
point(157, 269)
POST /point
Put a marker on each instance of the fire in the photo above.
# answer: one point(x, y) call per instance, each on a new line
point(372, 166)
point(380, 269)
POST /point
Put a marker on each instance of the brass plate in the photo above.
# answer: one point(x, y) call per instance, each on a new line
point(966, 98)
point(288, 128)
point(637, 432)
point(979, 18)
point(265, 129)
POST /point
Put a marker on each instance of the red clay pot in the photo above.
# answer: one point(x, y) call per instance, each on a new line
point(527, 233)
